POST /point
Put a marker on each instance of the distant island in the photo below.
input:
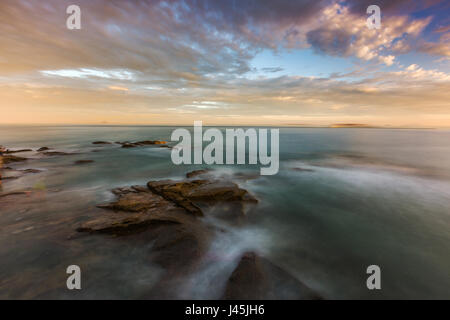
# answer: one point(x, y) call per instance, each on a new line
point(350, 125)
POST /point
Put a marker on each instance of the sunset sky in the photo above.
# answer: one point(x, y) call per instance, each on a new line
point(281, 63)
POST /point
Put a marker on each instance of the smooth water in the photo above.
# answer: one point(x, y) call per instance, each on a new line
point(343, 199)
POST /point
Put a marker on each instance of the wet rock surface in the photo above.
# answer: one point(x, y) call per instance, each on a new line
point(101, 142)
point(256, 278)
point(43, 149)
point(189, 194)
point(179, 239)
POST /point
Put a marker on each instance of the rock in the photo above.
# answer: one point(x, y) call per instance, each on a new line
point(83, 161)
point(101, 142)
point(12, 159)
point(179, 239)
point(17, 151)
point(14, 193)
point(197, 173)
point(187, 194)
point(128, 144)
point(43, 149)
point(135, 209)
point(169, 190)
point(256, 278)
point(31, 170)
point(303, 169)
point(150, 142)
point(57, 153)
point(9, 178)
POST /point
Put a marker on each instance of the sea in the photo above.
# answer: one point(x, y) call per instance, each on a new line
point(344, 199)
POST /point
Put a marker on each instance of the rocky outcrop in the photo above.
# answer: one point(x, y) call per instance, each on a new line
point(187, 194)
point(256, 278)
point(178, 238)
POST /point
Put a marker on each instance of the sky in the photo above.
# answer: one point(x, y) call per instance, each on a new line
point(225, 62)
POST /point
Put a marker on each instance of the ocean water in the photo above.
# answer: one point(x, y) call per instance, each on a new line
point(343, 199)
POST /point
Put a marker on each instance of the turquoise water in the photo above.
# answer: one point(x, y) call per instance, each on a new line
point(369, 196)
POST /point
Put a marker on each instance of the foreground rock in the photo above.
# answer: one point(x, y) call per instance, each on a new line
point(178, 238)
point(256, 278)
point(188, 194)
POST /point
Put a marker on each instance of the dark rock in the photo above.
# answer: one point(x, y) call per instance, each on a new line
point(303, 169)
point(197, 173)
point(83, 161)
point(17, 151)
point(256, 278)
point(150, 142)
point(57, 153)
point(179, 239)
point(128, 144)
point(14, 193)
point(43, 149)
point(9, 178)
point(101, 142)
point(12, 159)
point(31, 170)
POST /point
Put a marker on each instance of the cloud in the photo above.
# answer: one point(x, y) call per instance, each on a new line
point(191, 58)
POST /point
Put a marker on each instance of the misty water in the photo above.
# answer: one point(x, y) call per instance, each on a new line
point(343, 199)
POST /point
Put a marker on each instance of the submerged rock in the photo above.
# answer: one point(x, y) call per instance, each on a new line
point(178, 238)
point(101, 142)
point(11, 159)
point(17, 151)
point(43, 149)
point(31, 170)
point(256, 278)
point(128, 144)
point(57, 153)
point(197, 173)
point(9, 178)
point(83, 161)
point(303, 169)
